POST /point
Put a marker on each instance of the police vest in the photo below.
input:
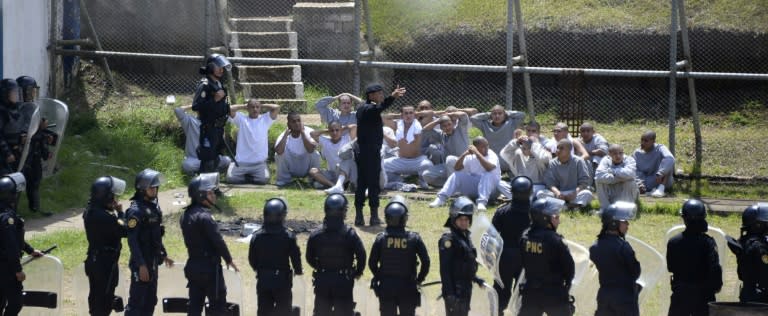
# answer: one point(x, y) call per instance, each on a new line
point(540, 249)
point(335, 249)
point(398, 254)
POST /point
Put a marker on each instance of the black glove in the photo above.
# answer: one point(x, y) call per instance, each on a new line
point(480, 282)
point(375, 286)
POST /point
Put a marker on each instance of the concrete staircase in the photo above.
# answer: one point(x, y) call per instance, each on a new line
point(270, 37)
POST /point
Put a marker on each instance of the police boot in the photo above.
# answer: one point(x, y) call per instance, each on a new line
point(375, 221)
point(359, 221)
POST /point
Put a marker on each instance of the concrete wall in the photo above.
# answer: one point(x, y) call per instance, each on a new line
point(25, 39)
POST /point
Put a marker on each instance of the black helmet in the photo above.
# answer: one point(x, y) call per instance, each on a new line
point(335, 205)
point(104, 190)
point(275, 210)
point(521, 188)
point(10, 186)
point(617, 212)
point(542, 211)
point(694, 209)
point(461, 206)
point(762, 213)
point(215, 60)
point(148, 178)
point(199, 187)
point(396, 212)
point(749, 216)
point(26, 83)
point(7, 86)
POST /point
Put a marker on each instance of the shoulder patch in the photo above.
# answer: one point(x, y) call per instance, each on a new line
point(202, 94)
point(765, 259)
point(447, 244)
point(132, 222)
point(10, 222)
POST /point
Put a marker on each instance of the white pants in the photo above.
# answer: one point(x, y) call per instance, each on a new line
point(396, 166)
point(256, 173)
point(505, 189)
point(480, 186)
point(349, 167)
point(290, 165)
point(438, 174)
point(620, 191)
point(584, 197)
point(191, 165)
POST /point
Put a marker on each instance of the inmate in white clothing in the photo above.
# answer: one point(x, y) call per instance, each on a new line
point(295, 160)
point(616, 182)
point(474, 181)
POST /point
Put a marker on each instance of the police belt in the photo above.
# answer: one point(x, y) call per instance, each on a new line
point(202, 255)
point(219, 122)
point(532, 284)
point(104, 251)
point(275, 272)
point(348, 271)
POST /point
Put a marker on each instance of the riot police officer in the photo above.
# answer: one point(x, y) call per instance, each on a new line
point(752, 270)
point(10, 126)
point(145, 240)
point(104, 222)
point(38, 151)
point(11, 244)
point(616, 263)
point(693, 261)
point(457, 258)
point(511, 220)
point(271, 248)
point(211, 104)
point(393, 262)
point(336, 253)
point(548, 264)
point(205, 248)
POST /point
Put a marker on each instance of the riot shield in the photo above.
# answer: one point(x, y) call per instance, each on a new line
point(33, 123)
point(654, 267)
point(370, 304)
point(485, 302)
point(82, 288)
point(42, 288)
point(585, 284)
point(489, 243)
point(172, 292)
point(57, 115)
point(715, 233)
point(301, 299)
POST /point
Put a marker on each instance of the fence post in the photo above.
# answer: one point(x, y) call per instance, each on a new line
point(84, 11)
point(510, 53)
point(688, 64)
point(672, 75)
point(356, 67)
point(524, 59)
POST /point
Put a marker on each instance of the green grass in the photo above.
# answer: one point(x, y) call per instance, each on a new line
point(397, 23)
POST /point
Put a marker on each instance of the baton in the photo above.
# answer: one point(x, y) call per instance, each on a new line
point(45, 252)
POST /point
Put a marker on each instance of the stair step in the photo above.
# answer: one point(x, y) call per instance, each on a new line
point(288, 105)
point(266, 39)
point(248, 8)
point(259, 24)
point(291, 53)
point(274, 90)
point(283, 73)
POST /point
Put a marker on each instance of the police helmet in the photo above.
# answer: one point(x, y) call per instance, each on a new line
point(335, 205)
point(542, 211)
point(521, 188)
point(617, 212)
point(25, 83)
point(749, 216)
point(460, 206)
point(199, 187)
point(396, 212)
point(762, 212)
point(693, 209)
point(148, 178)
point(216, 60)
point(10, 186)
point(275, 210)
point(105, 188)
point(8, 86)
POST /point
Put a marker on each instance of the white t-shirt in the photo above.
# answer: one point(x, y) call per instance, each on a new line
point(252, 136)
point(330, 151)
point(295, 145)
point(473, 166)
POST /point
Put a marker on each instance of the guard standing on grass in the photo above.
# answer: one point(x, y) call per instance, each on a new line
point(616, 262)
point(693, 261)
point(11, 127)
point(370, 136)
point(393, 263)
point(211, 104)
point(11, 244)
point(548, 264)
point(38, 151)
point(337, 255)
point(145, 240)
point(104, 222)
point(457, 259)
point(205, 249)
point(271, 248)
point(752, 268)
point(511, 220)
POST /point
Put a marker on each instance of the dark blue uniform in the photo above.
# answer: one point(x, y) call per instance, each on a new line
point(104, 230)
point(11, 127)
point(338, 257)
point(370, 136)
point(619, 269)
point(549, 271)
point(213, 116)
point(271, 248)
point(753, 269)
point(457, 270)
point(510, 220)
point(33, 167)
point(696, 273)
point(144, 220)
point(206, 249)
point(393, 263)
point(11, 244)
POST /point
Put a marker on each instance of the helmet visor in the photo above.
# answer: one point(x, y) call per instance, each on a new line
point(554, 206)
point(222, 62)
point(118, 186)
point(19, 180)
point(625, 211)
point(209, 181)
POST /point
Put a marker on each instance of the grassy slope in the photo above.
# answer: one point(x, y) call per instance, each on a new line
point(398, 22)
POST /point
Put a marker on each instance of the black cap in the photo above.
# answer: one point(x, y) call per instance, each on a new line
point(374, 87)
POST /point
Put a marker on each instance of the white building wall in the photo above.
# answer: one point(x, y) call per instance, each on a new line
point(25, 40)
